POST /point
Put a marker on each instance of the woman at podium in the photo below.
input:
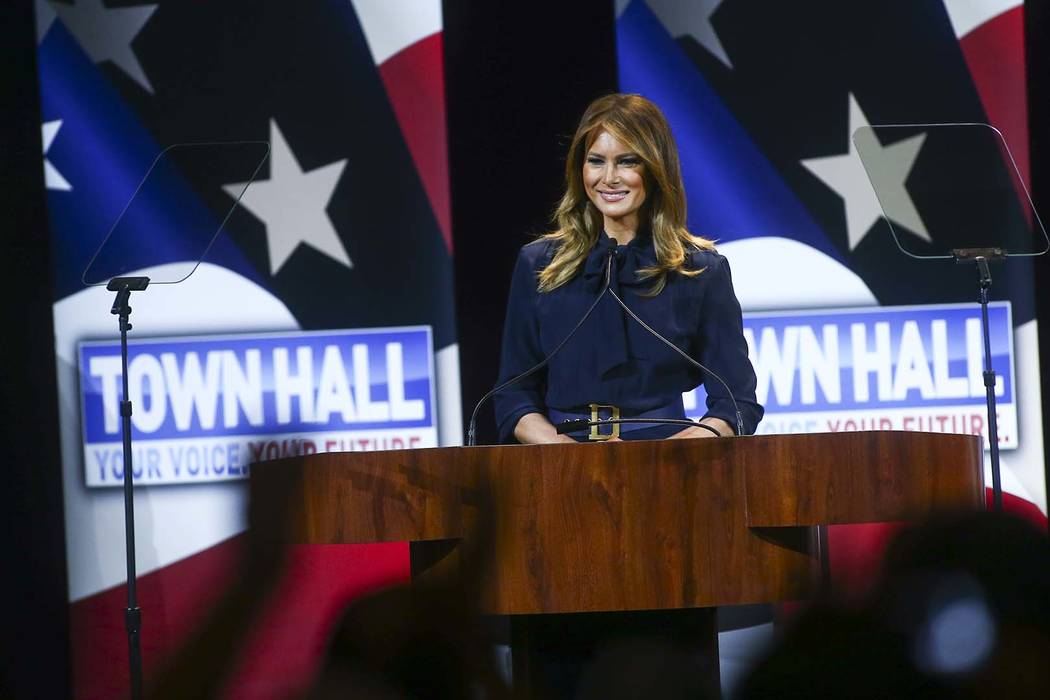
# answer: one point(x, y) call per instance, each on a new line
point(623, 216)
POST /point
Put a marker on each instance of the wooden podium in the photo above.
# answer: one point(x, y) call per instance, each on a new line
point(632, 526)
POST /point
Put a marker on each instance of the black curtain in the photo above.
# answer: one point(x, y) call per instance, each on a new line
point(35, 647)
point(1037, 43)
point(517, 81)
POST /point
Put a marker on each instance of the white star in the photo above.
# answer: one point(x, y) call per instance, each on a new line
point(45, 17)
point(692, 17)
point(106, 33)
point(292, 204)
point(846, 175)
point(53, 179)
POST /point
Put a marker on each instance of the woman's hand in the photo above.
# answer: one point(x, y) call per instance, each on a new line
point(718, 424)
point(535, 429)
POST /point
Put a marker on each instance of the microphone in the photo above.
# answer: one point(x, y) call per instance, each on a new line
point(668, 343)
point(472, 426)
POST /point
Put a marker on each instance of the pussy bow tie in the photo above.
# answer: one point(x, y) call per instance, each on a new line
point(608, 318)
point(626, 261)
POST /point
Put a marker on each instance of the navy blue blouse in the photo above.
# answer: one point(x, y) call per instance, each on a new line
point(612, 359)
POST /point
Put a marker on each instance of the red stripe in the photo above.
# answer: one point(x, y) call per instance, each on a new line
point(855, 555)
point(994, 52)
point(1015, 505)
point(415, 83)
point(284, 651)
point(856, 550)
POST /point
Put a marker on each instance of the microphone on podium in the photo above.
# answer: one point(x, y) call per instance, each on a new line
point(472, 426)
point(690, 360)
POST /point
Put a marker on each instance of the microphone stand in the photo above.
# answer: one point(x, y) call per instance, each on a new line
point(472, 425)
point(981, 256)
point(124, 286)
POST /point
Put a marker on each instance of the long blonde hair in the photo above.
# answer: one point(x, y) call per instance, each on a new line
point(640, 125)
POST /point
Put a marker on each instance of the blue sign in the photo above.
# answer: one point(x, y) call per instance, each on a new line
point(206, 407)
point(900, 368)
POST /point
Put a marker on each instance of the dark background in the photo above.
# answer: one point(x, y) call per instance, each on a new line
point(33, 646)
point(516, 84)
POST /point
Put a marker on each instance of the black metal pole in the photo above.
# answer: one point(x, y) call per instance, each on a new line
point(132, 614)
point(989, 383)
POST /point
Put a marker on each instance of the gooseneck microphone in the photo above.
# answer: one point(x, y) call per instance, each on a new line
point(472, 427)
point(582, 423)
point(702, 368)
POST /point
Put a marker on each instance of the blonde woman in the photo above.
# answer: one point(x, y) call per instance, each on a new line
point(623, 199)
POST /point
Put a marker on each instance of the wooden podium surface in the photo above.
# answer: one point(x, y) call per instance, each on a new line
point(646, 525)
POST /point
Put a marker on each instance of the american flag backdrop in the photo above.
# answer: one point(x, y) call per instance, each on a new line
point(347, 226)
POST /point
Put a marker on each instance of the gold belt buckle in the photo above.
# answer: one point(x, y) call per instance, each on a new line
point(614, 415)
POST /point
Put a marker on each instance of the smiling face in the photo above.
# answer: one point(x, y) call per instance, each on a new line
point(614, 179)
